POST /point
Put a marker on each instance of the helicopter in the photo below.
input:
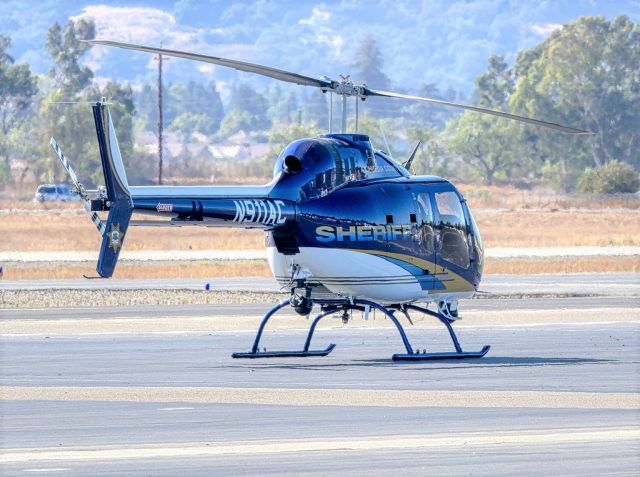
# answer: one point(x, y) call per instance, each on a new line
point(347, 228)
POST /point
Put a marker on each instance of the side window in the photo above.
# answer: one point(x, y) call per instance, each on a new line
point(453, 235)
point(426, 224)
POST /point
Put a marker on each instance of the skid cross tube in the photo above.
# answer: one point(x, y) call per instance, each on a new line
point(256, 353)
point(327, 312)
point(264, 321)
point(458, 354)
point(390, 314)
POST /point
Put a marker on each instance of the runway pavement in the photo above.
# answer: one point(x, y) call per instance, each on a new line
point(559, 393)
point(580, 284)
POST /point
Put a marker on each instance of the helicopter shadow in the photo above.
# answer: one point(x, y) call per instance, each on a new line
point(490, 362)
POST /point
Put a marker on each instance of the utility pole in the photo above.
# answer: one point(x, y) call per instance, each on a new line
point(159, 58)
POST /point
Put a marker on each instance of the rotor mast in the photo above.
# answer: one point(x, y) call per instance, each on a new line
point(344, 88)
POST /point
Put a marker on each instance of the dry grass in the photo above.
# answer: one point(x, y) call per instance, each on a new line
point(178, 270)
point(563, 265)
point(558, 229)
point(258, 268)
point(66, 230)
point(507, 197)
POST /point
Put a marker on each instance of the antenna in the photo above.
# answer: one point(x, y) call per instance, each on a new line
point(330, 112)
point(407, 165)
point(384, 138)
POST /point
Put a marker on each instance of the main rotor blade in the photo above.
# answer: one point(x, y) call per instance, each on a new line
point(537, 122)
point(238, 65)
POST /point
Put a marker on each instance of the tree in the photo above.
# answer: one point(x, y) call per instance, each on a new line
point(122, 109)
point(484, 143)
point(64, 114)
point(316, 109)
point(18, 89)
point(189, 123)
point(247, 112)
point(587, 75)
point(430, 114)
point(195, 108)
point(66, 49)
point(613, 177)
point(496, 85)
point(368, 65)
point(283, 104)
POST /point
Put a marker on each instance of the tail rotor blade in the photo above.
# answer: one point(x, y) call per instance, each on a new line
point(97, 221)
point(74, 178)
point(78, 187)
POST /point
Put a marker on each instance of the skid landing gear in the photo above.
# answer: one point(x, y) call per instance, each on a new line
point(330, 307)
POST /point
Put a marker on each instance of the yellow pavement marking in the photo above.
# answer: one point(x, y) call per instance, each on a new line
point(366, 443)
point(327, 397)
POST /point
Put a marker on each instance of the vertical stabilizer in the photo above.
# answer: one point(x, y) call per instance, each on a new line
point(118, 196)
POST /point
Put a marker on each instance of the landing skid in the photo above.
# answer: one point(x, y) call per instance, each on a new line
point(434, 356)
point(284, 354)
point(330, 307)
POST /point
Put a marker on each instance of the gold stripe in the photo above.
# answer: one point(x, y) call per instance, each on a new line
point(452, 281)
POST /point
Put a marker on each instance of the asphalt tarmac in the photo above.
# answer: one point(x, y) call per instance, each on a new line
point(558, 394)
point(580, 284)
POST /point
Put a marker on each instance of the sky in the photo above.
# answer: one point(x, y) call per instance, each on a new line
point(430, 41)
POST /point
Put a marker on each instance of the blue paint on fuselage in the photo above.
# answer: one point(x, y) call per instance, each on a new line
point(335, 191)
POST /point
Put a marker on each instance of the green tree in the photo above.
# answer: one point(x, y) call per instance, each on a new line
point(423, 163)
point(194, 101)
point(368, 65)
point(66, 112)
point(484, 143)
point(283, 104)
point(495, 85)
point(247, 112)
point(18, 89)
point(122, 108)
point(316, 109)
point(613, 177)
point(430, 114)
point(587, 75)
point(66, 49)
point(245, 98)
point(189, 123)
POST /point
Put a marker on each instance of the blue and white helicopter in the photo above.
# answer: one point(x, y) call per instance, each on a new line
point(346, 226)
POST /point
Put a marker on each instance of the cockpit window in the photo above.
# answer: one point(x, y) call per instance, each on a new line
point(477, 243)
point(426, 224)
point(453, 231)
point(387, 167)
